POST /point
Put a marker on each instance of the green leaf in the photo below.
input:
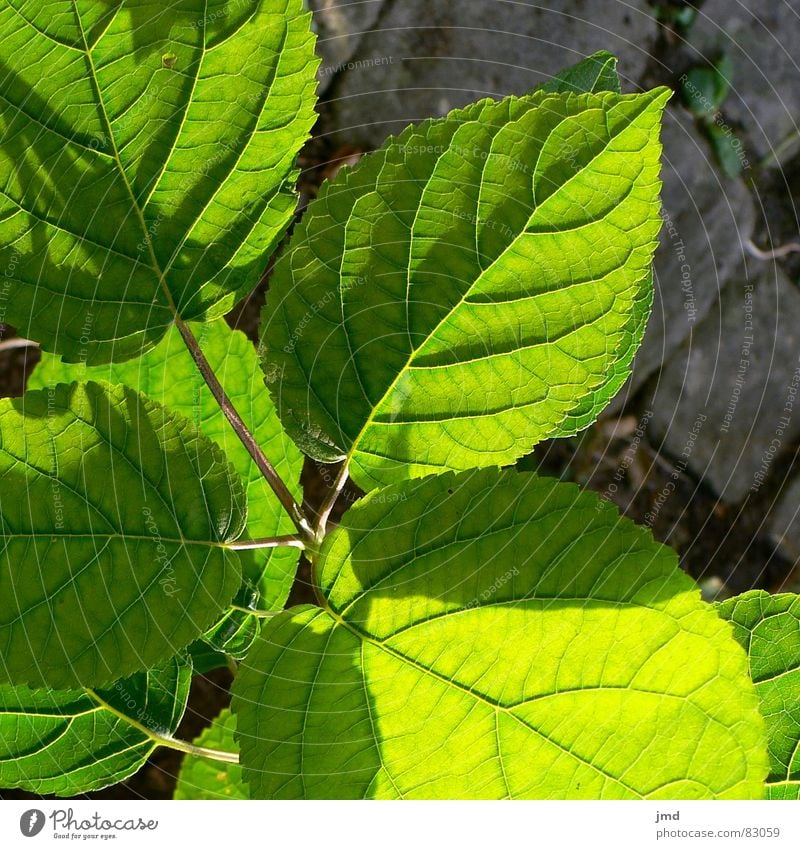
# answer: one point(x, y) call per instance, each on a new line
point(115, 517)
point(768, 626)
point(236, 631)
point(478, 285)
point(676, 15)
point(704, 88)
point(147, 161)
point(68, 742)
point(205, 658)
point(498, 635)
point(728, 149)
point(167, 374)
point(597, 72)
point(202, 778)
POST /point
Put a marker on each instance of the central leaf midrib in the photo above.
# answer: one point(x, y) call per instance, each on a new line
point(154, 264)
point(163, 169)
point(47, 535)
point(415, 352)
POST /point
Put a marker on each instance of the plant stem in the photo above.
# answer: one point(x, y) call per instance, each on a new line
point(776, 154)
point(775, 253)
point(163, 740)
point(259, 614)
point(198, 751)
point(12, 344)
point(242, 431)
point(330, 501)
point(272, 542)
point(240, 428)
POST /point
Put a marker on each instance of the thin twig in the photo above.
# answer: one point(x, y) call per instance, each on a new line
point(330, 501)
point(774, 253)
point(198, 751)
point(259, 614)
point(247, 439)
point(12, 344)
point(782, 147)
point(272, 542)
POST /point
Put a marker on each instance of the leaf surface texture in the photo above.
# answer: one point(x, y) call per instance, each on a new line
point(479, 284)
point(147, 163)
point(496, 635)
point(114, 517)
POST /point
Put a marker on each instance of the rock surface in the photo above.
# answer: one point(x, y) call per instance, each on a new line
point(707, 219)
point(340, 26)
point(784, 524)
point(728, 403)
point(761, 39)
point(425, 58)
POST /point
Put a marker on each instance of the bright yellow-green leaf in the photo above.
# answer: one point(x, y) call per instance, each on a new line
point(479, 284)
point(494, 635)
point(205, 778)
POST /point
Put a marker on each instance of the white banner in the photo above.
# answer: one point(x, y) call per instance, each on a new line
point(400, 825)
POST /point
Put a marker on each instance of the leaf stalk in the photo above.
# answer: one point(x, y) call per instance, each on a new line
point(242, 431)
point(163, 739)
point(330, 502)
point(271, 542)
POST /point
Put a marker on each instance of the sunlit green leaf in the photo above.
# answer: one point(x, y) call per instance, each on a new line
point(494, 635)
point(478, 285)
point(147, 161)
point(114, 517)
point(768, 626)
point(204, 778)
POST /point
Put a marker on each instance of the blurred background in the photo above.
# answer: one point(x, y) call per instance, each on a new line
point(703, 443)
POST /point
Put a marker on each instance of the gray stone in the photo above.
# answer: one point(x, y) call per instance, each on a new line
point(707, 220)
point(784, 523)
point(340, 26)
point(727, 403)
point(425, 58)
point(761, 38)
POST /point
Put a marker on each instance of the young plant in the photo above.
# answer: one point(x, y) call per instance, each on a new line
point(704, 89)
point(479, 284)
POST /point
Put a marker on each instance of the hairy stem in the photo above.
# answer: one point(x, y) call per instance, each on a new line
point(330, 501)
point(259, 614)
point(242, 431)
point(162, 739)
point(198, 751)
point(271, 542)
point(13, 344)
